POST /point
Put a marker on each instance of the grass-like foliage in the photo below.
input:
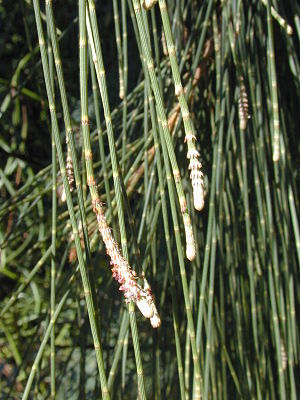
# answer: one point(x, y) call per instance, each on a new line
point(149, 175)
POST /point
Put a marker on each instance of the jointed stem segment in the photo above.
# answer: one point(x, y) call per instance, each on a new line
point(120, 266)
point(190, 137)
point(165, 128)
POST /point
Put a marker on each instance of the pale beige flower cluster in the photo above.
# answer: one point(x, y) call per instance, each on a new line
point(70, 174)
point(196, 179)
point(69, 169)
point(121, 271)
point(243, 105)
point(190, 241)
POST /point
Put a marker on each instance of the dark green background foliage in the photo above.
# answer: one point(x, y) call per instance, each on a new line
point(230, 315)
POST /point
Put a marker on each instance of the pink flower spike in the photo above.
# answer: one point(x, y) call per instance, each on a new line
point(122, 272)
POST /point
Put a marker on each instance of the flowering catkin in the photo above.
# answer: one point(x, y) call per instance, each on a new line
point(121, 271)
point(284, 358)
point(190, 242)
point(196, 179)
point(243, 105)
point(121, 84)
point(69, 168)
point(70, 174)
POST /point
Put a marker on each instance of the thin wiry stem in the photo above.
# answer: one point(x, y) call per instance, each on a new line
point(84, 274)
point(121, 269)
point(190, 137)
point(53, 234)
point(273, 86)
point(190, 245)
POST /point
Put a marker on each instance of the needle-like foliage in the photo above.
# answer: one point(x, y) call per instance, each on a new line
point(149, 214)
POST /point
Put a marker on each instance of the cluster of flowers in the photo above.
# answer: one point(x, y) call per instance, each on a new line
point(196, 179)
point(69, 168)
point(70, 174)
point(121, 271)
point(243, 105)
